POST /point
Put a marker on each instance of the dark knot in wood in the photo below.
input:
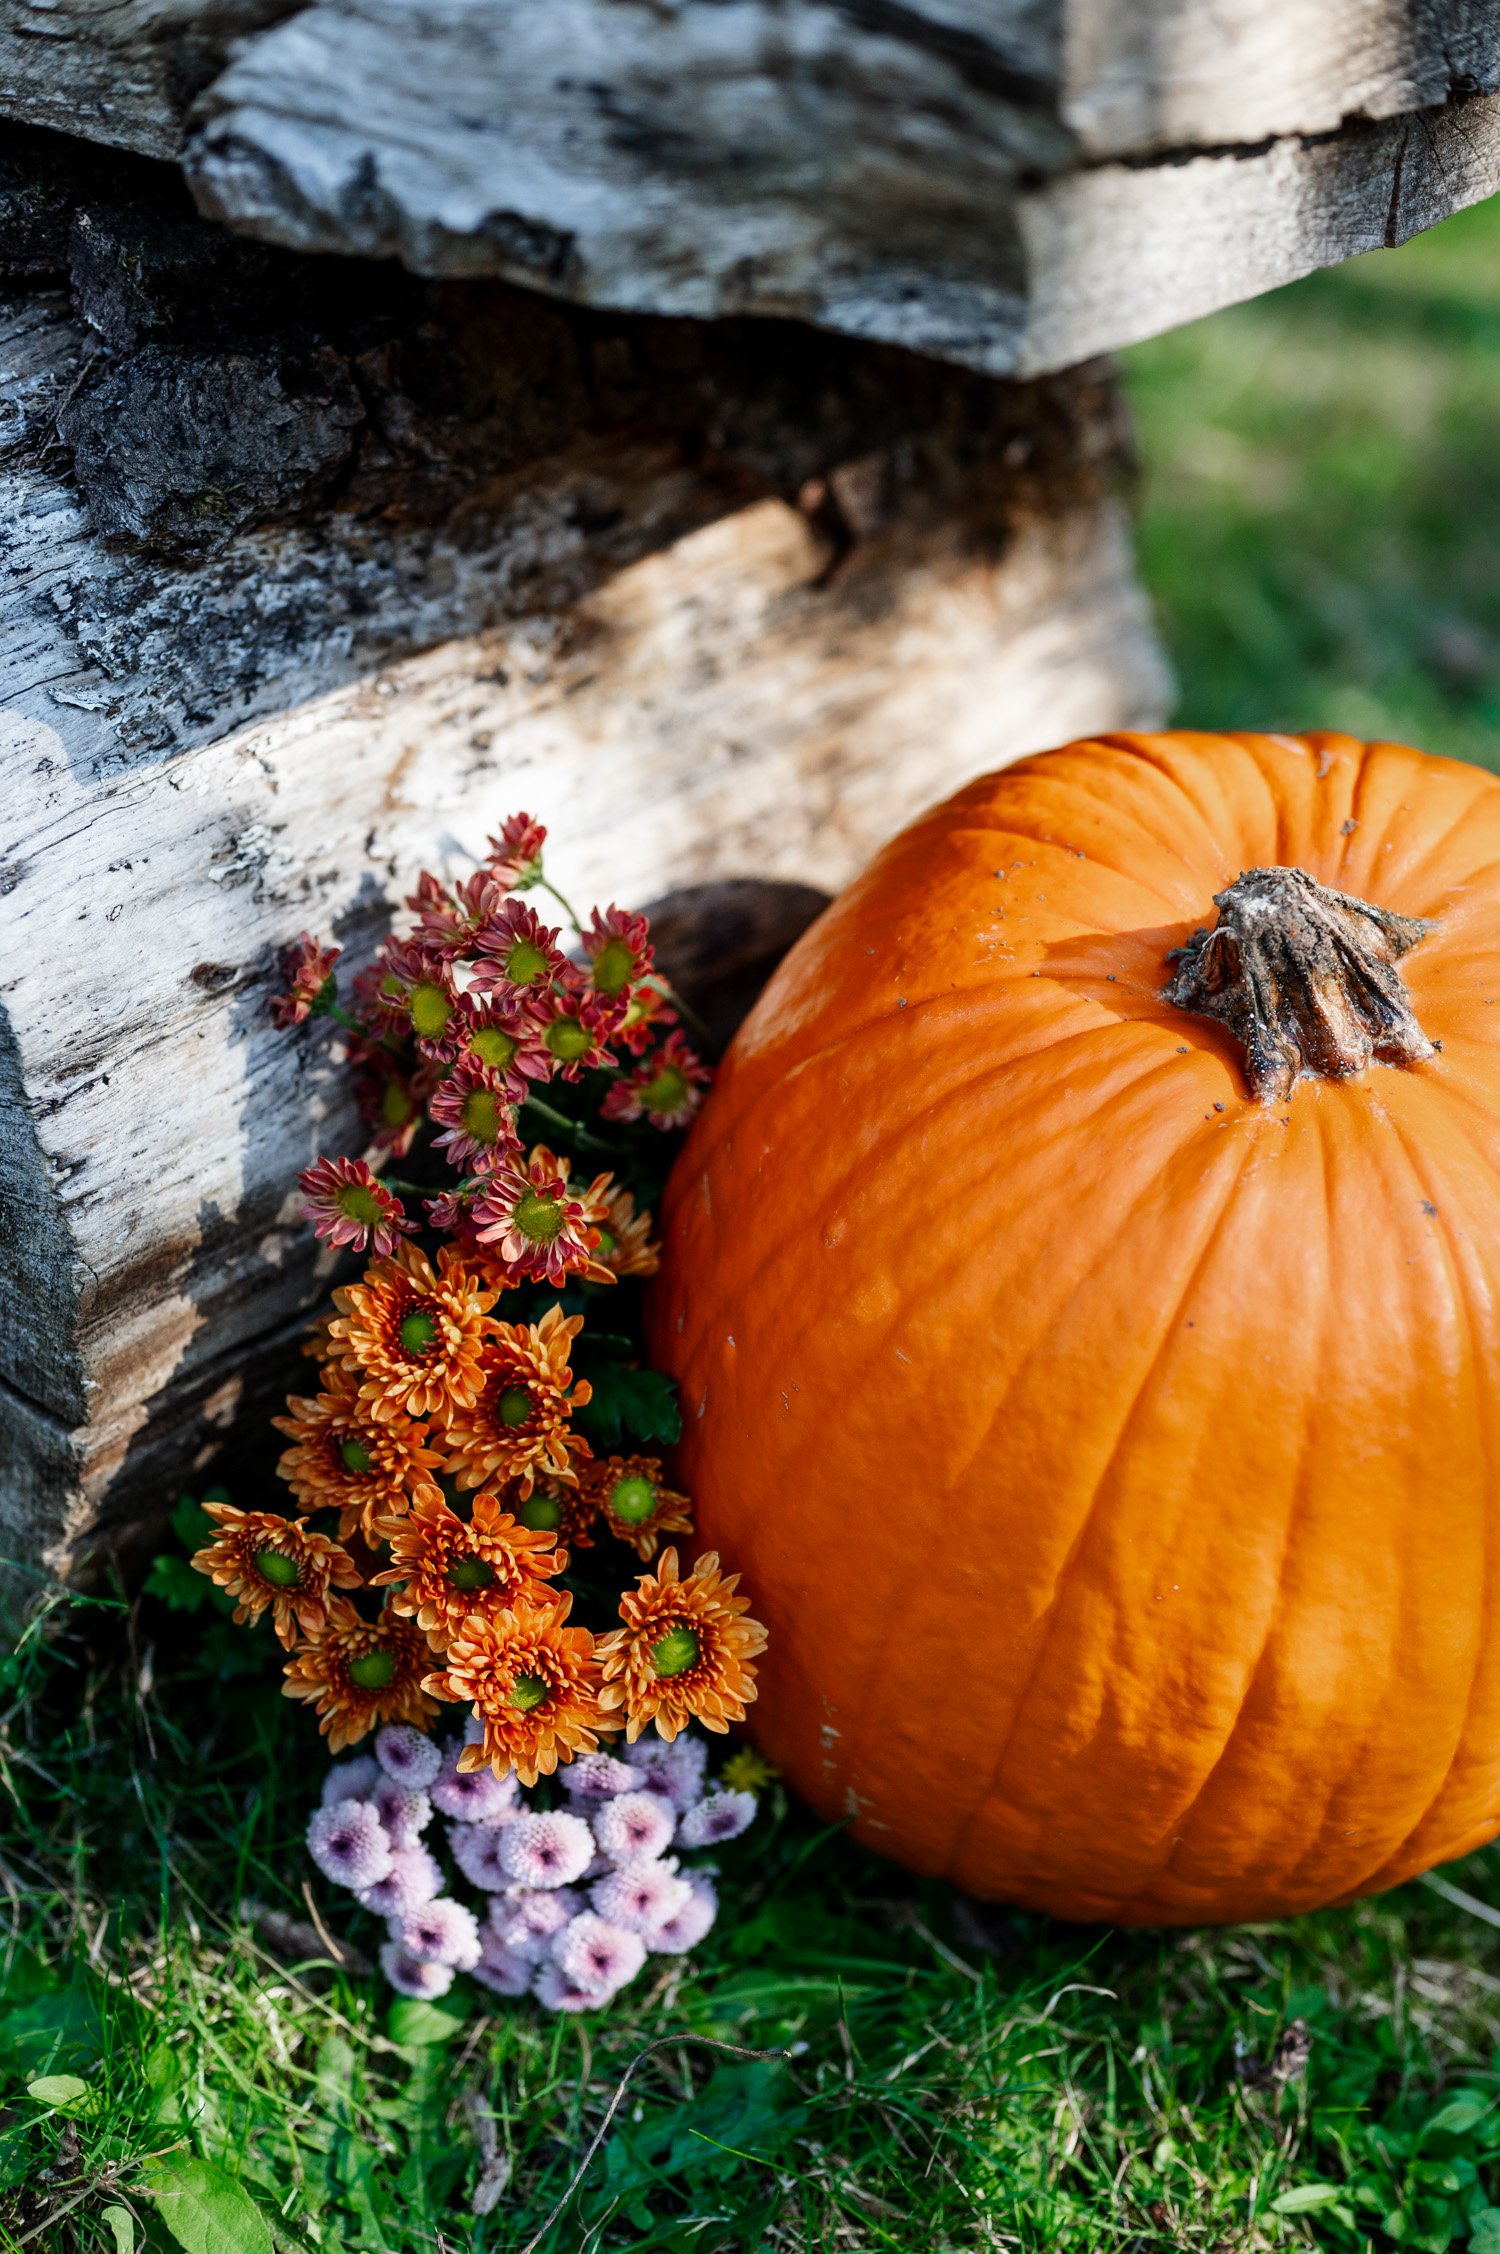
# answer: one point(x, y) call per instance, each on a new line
point(1305, 979)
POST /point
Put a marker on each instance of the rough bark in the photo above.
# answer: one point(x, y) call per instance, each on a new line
point(1014, 185)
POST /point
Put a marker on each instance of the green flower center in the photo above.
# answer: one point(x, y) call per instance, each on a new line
point(430, 1011)
point(528, 1692)
point(525, 963)
point(542, 1513)
point(568, 1040)
point(418, 1331)
point(540, 1218)
point(356, 1457)
point(614, 966)
point(373, 1670)
point(492, 1047)
point(667, 1092)
point(361, 1204)
point(678, 1650)
point(480, 1114)
point(466, 1573)
point(514, 1405)
point(282, 1572)
point(633, 1500)
point(396, 1106)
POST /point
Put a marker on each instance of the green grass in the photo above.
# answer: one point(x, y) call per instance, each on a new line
point(1322, 481)
point(1321, 524)
point(947, 2085)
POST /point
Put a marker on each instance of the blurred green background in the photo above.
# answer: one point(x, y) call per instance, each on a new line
point(1321, 526)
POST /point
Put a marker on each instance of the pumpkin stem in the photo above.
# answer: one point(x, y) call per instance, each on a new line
point(1305, 979)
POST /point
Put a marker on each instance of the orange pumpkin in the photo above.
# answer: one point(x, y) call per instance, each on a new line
point(1091, 1352)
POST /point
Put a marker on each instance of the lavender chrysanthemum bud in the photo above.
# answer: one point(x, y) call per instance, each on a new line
point(440, 1932)
point(408, 1756)
point(472, 1796)
point(348, 1843)
point(501, 1970)
point(476, 1850)
point(404, 1812)
point(675, 1770)
point(723, 1815)
point(549, 1850)
point(413, 1878)
point(527, 1922)
point(692, 1921)
point(350, 1780)
point(640, 1897)
point(423, 1981)
point(598, 1776)
point(634, 1826)
point(598, 1956)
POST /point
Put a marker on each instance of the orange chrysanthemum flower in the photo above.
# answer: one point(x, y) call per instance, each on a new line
point(347, 1460)
point(562, 1511)
point(534, 1684)
point(684, 1652)
point(415, 1334)
point(275, 1564)
point(625, 1244)
point(361, 1672)
point(518, 1426)
point(636, 1503)
point(452, 1570)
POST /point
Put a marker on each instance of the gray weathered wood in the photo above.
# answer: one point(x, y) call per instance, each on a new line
point(1002, 182)
point(198, 757)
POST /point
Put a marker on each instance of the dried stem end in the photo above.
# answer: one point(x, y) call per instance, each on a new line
point(1304, 978)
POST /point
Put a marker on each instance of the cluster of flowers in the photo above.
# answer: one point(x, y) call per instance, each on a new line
point(576, 1898)
point(464, 1019)
point(444, 1436)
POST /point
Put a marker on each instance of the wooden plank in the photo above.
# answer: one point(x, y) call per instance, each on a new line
point(937, 174)
point(712, 160)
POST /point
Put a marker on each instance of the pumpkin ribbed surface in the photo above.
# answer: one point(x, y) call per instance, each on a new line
point(1114, 1457)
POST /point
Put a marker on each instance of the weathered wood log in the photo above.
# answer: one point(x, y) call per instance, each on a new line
point(1017, 184)
point(717, 607)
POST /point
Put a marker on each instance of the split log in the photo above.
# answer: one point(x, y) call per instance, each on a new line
point(1015, 184)
point(721, 608)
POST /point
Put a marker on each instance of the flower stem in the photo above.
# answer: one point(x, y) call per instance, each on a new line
point(580, 1135)
point(545, 884)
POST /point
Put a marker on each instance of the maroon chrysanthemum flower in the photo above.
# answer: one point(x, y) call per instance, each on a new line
point(618, 949)
point(416, 995)
point(533, 1225)
point(477, 1119)
point(647, 1013)
point(349, 1205)
point(502, 1037)
point(514, 858)
point(518, 954)
point(308, 971)
point(580, 1026)
point(666, 1089)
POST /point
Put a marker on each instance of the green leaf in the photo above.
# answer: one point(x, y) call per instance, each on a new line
point(1460, 2116)
point(65, 2093)
point(205, 2210)
point(1486, 2232)
point(120, 2224)
point(639, 1402)
point(1306, 2196)
point(191, 1522)
point(414, 2025)
point(176, 1584)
